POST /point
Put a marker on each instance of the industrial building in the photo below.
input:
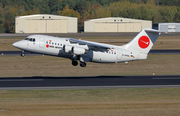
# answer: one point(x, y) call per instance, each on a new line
point(116, 24)
point(45, 23)
point(167, 27)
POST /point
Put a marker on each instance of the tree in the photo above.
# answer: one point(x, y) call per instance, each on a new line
point(44, 7)
point(68, 12)
point(2, 20)
point(168, 13)
point(177, 15)
point(9, 15)
point(102, 12)
point(148, 12)
point(55, 5)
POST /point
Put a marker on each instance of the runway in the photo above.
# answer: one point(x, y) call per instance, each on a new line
point(177, 51)
point(98, 82)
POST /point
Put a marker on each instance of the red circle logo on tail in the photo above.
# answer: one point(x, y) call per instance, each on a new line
point(143, 42)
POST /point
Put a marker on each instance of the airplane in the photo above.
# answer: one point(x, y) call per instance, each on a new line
point(87, 51)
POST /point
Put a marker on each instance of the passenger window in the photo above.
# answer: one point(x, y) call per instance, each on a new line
point(49, 42)
point(58, 44)
point(26, 39)
point(52, 43)
point(30, 39)
point(55, 43)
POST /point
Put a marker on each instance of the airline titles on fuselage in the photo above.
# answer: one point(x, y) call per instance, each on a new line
point(51, 44)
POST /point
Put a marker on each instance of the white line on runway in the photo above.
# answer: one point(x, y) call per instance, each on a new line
point(22, 80)
point(89, 87)
point(165, 78)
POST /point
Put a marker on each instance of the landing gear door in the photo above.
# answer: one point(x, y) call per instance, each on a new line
point(119, 54)
point(41, 42)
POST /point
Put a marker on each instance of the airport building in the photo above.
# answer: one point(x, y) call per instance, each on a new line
point(167, 27)
point(45, 23)
point(116, 24)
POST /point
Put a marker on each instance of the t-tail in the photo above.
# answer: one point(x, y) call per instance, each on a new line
point(141, 44)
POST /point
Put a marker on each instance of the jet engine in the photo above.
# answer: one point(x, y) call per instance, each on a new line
point(78, 51)
point(67, 49)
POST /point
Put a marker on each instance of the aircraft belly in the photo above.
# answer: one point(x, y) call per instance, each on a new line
point(104, 57)
point(45, 51)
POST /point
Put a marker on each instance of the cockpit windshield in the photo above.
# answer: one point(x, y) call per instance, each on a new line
point(30, 39)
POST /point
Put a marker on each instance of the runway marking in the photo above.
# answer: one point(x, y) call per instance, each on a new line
point(165, 78)
point(22, 80)
point(2, 110)
point(89, 87)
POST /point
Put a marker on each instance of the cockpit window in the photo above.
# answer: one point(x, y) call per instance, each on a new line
point(30, 39)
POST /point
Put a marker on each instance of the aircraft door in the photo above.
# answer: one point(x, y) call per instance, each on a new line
point(41, 42)
point(119, 54)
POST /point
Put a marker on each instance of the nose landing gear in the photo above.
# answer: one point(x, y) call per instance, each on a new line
point(22, 54)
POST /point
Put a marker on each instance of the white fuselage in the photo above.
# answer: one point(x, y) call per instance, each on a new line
point(56, 46)
point(86, 51)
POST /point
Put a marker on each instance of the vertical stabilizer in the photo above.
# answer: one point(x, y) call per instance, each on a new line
point(143, 42)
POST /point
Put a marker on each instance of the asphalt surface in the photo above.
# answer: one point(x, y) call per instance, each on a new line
point(151, 52)
point(35, 83)
point(164, 51)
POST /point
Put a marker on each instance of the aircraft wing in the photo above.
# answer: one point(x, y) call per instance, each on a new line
point(92, 44)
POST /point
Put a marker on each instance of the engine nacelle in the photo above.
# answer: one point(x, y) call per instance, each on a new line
point(68, 49)
point(78, 51)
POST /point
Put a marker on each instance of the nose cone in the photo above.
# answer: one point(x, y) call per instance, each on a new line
point(20, 44)
point(16, 44)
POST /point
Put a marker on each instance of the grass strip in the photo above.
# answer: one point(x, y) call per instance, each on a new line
point(101, 102)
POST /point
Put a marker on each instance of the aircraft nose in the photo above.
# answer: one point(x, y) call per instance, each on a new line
point(20, 44)
point(16, 44)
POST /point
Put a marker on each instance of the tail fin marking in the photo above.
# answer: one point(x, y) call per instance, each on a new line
point(144, 41)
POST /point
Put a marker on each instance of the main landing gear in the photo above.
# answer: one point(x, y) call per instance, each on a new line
point(82, 64)
point(75, 63)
